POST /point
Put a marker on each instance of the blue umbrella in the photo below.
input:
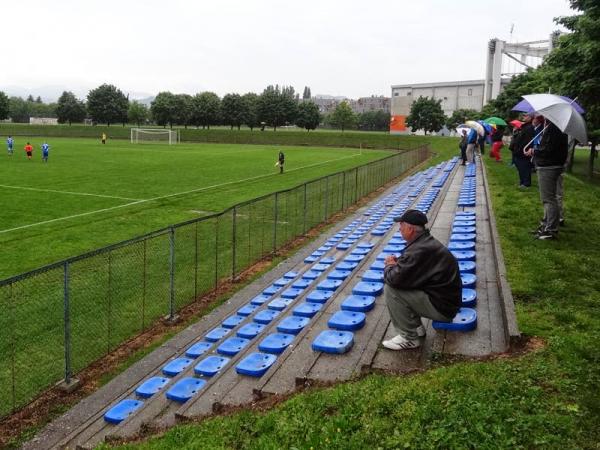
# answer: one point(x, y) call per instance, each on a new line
point(486, 126)
point(525, 106)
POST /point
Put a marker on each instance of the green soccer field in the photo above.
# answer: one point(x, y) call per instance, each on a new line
point(90, 195)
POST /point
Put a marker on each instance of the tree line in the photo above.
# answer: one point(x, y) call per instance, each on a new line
point(275, 107)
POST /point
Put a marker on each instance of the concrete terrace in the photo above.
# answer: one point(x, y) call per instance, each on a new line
point(325, 273)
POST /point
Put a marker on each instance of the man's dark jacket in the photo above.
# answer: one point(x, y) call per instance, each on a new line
point(521, 139)
point(428, 266)
point(554, 148)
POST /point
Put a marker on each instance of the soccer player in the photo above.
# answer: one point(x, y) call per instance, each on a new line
point(104, 138)
point(281, 161)
point(10, 142)
point(45, 150)
point(29, 150)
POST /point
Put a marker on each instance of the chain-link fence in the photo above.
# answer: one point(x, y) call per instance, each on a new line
point(57, 320)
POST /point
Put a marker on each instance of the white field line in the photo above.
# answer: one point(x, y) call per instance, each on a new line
point(65, 192)
point(45, 222)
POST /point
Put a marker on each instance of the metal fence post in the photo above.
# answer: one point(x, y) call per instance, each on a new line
point(171, 273)
point(67, 324)
point(305, 200)
point(326, 196)
point(275, 214)
point(356, 185)
point(343, 188)
point(233, 242)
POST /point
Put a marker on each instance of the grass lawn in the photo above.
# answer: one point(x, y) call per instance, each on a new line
point(91, 195)
point(547, 398)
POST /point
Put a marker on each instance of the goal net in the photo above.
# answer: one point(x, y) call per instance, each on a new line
point(154, 135)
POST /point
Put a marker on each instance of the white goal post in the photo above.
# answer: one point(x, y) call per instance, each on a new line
point(154, 135)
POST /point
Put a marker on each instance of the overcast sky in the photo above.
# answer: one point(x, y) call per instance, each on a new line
point(339, 47)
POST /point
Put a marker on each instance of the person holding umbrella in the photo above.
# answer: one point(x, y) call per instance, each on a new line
point(522, 136)
point(549, 158)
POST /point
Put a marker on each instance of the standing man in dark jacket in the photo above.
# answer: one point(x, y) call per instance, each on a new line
point(423, 282)
point(549, 158)
point(523, 162)
point(281, 161)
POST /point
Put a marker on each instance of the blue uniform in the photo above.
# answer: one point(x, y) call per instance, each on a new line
point(45, 150)
point(9, 144)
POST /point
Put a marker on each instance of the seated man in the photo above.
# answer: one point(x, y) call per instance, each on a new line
point(423, 282)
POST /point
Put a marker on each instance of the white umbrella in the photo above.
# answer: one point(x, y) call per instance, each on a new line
point(476, 126)
point(461, 127)
point(561, 113)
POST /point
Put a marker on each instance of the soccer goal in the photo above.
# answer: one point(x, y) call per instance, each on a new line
point(154, 135)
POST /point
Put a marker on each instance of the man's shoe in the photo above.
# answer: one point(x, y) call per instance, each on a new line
point(421, 331)
point(539, 230)
point(561, 222)
point(401, 343)
point(546, 235)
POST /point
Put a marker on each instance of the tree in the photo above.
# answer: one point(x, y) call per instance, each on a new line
point(30, 98)
point(426, 114)
point(39, 99)
point(573, 66)
point(138, 113)
point(374, 121)
point(206, 109)
point(461, 116)
point(20, 110)
point(233, 110)
point(306, 93)
point(343, 117)
point(69, 109)
point(308, 116)
point(4, 106)
point(251, 118)
point(531, 81)
point(277, 107)
point(183, 109)
point(163, 109)
point(107, 104)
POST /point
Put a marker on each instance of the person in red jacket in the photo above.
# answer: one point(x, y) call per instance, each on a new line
point(29, 150)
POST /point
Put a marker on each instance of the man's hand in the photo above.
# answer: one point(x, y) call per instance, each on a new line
point(390, 260)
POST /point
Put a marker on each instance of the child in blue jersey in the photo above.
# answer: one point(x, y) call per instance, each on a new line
point(10, 142)
point(45, 150)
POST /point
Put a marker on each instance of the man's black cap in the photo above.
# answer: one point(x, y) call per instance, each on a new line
point(412, 216)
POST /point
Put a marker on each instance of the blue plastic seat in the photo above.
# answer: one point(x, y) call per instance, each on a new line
point(465, 214)
point(317, 253)
point(319, 296)
point(246, 310)
point(338, 274)
point(381, 256)
point(396, 249)
point(329, 285)
point(302, 283)
point(324, 248)
point(466, 255)
point(468, 280)
point(307, 309)
point(311, 275)
point(151, 386)
point(377, 265)
point(469, 297)
point(233, 321)
point(176, 366)
point(470, 237)
point(452, 245)
point(122, 410)
point(292, 324)
point(271, 290)
point(333, 341)
point(360, 251)
point(291, 274)
point(346, 265)
point(260, 299)
point(266, 316)
point(311, 259)
point(281, 281)
point(291, 293)
point(343, 246)
point(467, 266)
point(347, 320)
point(365, 244)
point(464, 229)
point(231, 346)
point(276, 343)
point(211, 365)
point(362, 303)
point(250, 330)
point(327, 260)
point(321, 267)
point(397, 241)
point(255, 364)
point(279, 303)
point(185, 389)
point(373, 275)
point(368, 288)
point(199, 348)
point(216, 334)
point(465, 320)
point(463, 223)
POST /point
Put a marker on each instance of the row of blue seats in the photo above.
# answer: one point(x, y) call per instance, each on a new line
point(462, 244)
point(258, 363)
